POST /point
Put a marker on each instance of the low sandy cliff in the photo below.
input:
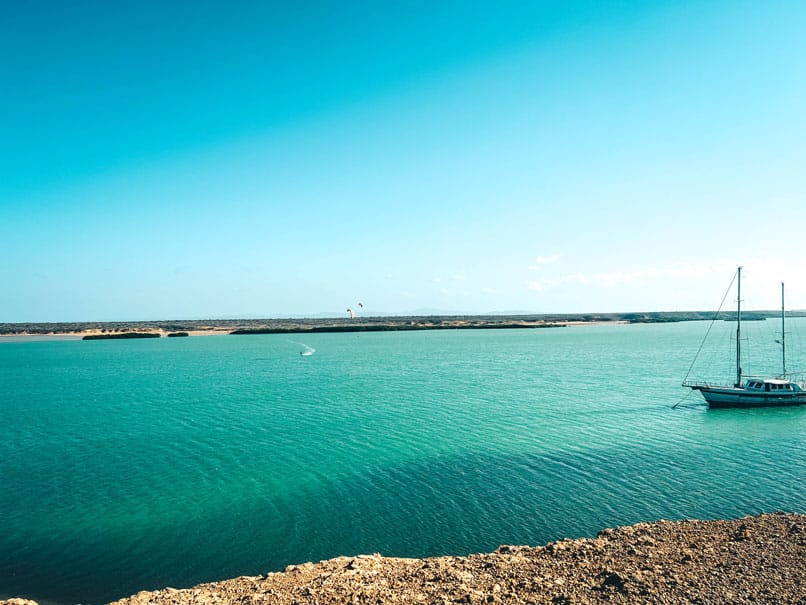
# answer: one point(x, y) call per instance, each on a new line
point(751, 560)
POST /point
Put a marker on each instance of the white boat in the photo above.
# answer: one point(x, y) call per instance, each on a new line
point(752, 391)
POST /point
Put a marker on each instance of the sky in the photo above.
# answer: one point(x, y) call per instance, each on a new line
point(187, 160)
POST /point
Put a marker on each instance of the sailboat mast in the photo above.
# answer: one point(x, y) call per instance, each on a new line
point(739, 328)
point(783, 334)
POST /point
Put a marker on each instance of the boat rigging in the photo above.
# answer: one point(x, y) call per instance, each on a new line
point(753, 392)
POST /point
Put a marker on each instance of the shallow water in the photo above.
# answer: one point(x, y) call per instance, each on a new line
point(131, 465)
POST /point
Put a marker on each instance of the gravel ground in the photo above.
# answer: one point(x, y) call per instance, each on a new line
point(751, 560)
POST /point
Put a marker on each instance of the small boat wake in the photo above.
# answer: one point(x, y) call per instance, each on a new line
point(307, 351)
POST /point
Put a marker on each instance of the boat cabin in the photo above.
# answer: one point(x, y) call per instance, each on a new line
point(772, 385)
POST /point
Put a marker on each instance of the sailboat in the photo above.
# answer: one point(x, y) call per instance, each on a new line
point(752, 391)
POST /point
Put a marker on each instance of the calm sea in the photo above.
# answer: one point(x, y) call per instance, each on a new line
point(132, 465)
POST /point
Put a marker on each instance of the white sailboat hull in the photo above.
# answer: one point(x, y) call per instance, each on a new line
point(737, 397)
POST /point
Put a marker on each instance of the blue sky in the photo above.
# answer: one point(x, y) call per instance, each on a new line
point(210, 159)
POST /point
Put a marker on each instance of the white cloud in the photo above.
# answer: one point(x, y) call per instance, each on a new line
point(697, 284)
point(458, 277)
point(616, 278)
point(489, 291)
point(544, 260)
point(611, 279)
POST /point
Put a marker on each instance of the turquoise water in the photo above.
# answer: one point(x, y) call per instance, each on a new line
point(131, 465)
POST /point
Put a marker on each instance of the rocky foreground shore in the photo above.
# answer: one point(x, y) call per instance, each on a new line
point(751, 560)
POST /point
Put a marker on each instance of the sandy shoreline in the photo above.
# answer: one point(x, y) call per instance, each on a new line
point(299, 327)
point(79, 335)
point(204, 327)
